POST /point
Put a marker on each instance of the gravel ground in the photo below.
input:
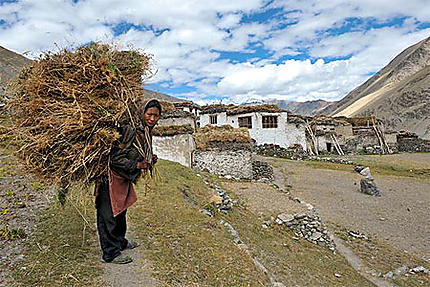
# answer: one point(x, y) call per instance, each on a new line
point(21, 198)
point(401, 215)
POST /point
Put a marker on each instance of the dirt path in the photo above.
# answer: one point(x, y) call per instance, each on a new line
point(345, 251)
point(357, 264)
point(400, 216)
point(135, 274)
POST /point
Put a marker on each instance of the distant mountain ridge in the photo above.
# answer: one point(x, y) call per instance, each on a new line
point(399, 93)
point(308, 108)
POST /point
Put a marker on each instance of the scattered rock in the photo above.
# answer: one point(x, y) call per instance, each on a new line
point(207, 212)
point(216, 199)
point(357, 234)
point(285, 217)
point(221, 202)
point(307, 226)
point(389, 275)
point(333, 160)
point(358, 168)
point(419, 269)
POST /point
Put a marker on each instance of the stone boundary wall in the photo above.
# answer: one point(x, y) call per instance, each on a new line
point(177, 148)
point(413, 144)
point(228, 163)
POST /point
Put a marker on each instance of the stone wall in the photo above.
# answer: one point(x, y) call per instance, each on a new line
point(362, 143)
point(178, 148)
point(177, 122)
point(227, 163)
point(413, 144)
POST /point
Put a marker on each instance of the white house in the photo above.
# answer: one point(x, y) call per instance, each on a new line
point(267, 124)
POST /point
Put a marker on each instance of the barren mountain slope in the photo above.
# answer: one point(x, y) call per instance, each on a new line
point(10, 64)
point(399, 93)
point(308, 108)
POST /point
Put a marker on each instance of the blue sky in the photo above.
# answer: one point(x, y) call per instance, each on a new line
point(231, 51)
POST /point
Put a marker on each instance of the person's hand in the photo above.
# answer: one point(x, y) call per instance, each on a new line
point(154, 159)
point(142, 164)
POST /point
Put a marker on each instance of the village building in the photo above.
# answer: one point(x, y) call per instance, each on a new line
point(188, 106)
point(267, 124)
point(172, 137)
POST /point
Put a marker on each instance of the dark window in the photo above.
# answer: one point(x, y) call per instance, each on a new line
point(213, 120)
point(270, 122)
point(245, 122)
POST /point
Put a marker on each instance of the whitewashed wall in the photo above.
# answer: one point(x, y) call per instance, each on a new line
point(295, 134)
point(178, 148)
point(284, 135)
point(221, 119)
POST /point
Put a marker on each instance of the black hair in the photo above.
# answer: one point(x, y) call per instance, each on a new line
point(153, 104)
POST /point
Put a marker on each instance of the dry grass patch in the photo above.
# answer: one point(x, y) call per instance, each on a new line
point(186, 247)
point(383, 258)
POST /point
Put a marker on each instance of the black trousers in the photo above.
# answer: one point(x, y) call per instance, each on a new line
point(111, 229)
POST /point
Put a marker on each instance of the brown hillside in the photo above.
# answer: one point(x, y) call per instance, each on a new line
point(399, 93)
point(10, 65)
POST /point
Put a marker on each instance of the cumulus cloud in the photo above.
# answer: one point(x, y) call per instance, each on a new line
point(311, 49)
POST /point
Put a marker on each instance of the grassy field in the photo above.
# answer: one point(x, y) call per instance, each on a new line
point(415, 165)
point(382, 257)
point(189, 248)
point(65, 248)
point(184, 246)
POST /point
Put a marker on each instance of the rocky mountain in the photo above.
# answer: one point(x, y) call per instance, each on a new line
point(399, 93)
point(10, 64)
point(308, 108)
point(161, 96)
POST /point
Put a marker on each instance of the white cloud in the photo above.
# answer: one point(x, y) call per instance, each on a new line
point(196, 32)
point(292, 80)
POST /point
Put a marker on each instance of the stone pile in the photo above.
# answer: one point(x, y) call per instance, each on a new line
point(221, 202)
point(367, 184)
point(333, 160)
point(261, 169)
point(294, 152)
point(307, 226)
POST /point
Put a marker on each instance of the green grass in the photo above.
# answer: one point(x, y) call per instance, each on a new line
point(383, 165)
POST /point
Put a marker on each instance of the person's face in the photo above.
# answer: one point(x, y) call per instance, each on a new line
point(151, 116)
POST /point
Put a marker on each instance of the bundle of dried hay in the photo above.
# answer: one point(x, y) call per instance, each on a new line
point(224, 134)
point(66, 107)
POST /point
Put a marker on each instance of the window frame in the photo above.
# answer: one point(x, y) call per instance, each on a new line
point(269, 121)
point(213, 119)
point(247, 120)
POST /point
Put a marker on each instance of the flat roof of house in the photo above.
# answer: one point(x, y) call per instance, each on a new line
point(237, 110)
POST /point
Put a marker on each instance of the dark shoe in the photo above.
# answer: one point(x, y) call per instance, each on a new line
point(132, 244)
point(120, 259)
